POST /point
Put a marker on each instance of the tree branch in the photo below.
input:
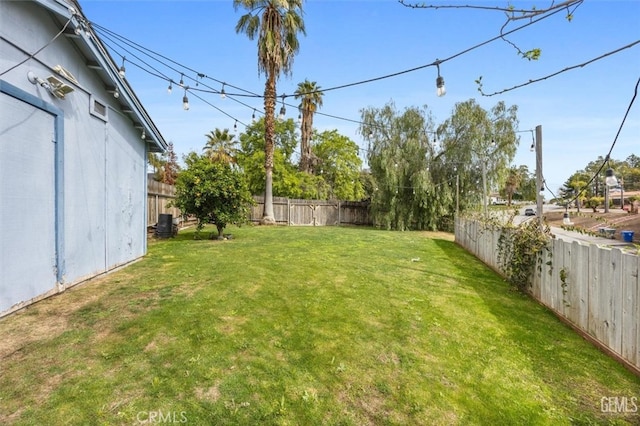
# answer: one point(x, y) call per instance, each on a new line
point(479, 80)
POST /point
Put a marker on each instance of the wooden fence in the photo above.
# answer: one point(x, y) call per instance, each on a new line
point(314, 212)
point(158, 196)
point(286, 211)
point(595, 289)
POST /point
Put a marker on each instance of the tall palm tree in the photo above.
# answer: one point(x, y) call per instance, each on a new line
point(220, 146)
point(311, 100)
point(276, 23)
point(512, 182)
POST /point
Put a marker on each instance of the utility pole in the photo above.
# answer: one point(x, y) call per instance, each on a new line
point(484, 187)
point(539, 176)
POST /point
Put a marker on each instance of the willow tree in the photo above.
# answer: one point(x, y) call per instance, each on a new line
point(311, 99)
point(276, 24)
point(400, 153)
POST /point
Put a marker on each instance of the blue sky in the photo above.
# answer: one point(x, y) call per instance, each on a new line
point(580, 111)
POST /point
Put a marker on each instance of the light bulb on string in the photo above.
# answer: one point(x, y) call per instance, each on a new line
point(185, 100)
point(121, 72)
point(235, 127)
point(170, 88)
point(610, 178)
point(440, 89)
point(253, 116)
point(223, 95)
point(181, 80)
point(116, 93)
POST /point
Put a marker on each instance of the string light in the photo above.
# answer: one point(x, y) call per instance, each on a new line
point(610, 178)
point(181, 80)
point(116, 93)
point(440, 89)
point(253, 116)
point(121, 72)
point(143, 136)
point(136, 46)
point(235, 126)
point(170, 88)
point(223, 95)
point(185, 100)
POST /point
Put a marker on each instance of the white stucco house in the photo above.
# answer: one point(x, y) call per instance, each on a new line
point(74, 140)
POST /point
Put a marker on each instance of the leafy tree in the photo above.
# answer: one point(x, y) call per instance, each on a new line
point(594, 202)
point(482, 144)
point(633, 161)
point(399, 154)
point(213, 192)
point(339, 165)
point(251, 159)
point(277, 24)
point(221, 146)
point(311, 99)
point(576, 188)
point(170, 167)
point(525, 188)
point(337, 157)
point(155, 161)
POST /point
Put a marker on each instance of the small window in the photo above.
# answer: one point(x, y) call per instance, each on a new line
point(98, 109)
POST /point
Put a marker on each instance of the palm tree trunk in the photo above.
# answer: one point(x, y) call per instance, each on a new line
point(268, 217)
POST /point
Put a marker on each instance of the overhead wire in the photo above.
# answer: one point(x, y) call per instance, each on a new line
point(613, 144)
point(248, 93)
point(32, 55)
point(366, 81)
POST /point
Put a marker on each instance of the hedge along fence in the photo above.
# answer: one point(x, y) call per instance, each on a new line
point(295, 212)
point(595, 289)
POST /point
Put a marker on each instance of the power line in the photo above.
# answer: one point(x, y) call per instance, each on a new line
point(562, 70)
point(615, 140)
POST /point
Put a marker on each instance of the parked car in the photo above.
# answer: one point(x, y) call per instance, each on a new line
point(529, 212)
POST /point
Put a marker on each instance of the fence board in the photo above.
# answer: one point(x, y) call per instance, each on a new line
point(630, 312)
point(577, 285)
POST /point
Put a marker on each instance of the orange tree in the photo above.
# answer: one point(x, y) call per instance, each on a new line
point(214, 192)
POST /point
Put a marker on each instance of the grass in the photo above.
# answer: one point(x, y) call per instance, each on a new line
point(304, 326)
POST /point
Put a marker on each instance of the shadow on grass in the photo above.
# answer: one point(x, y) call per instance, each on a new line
point(556, 355)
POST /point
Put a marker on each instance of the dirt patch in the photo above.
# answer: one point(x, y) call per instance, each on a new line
point(45, 319)
point(436, 235)
point(211, 394)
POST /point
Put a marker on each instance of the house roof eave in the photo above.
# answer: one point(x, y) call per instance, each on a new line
point(89, 44)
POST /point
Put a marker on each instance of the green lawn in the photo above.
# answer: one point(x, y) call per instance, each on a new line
point(304, 326)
